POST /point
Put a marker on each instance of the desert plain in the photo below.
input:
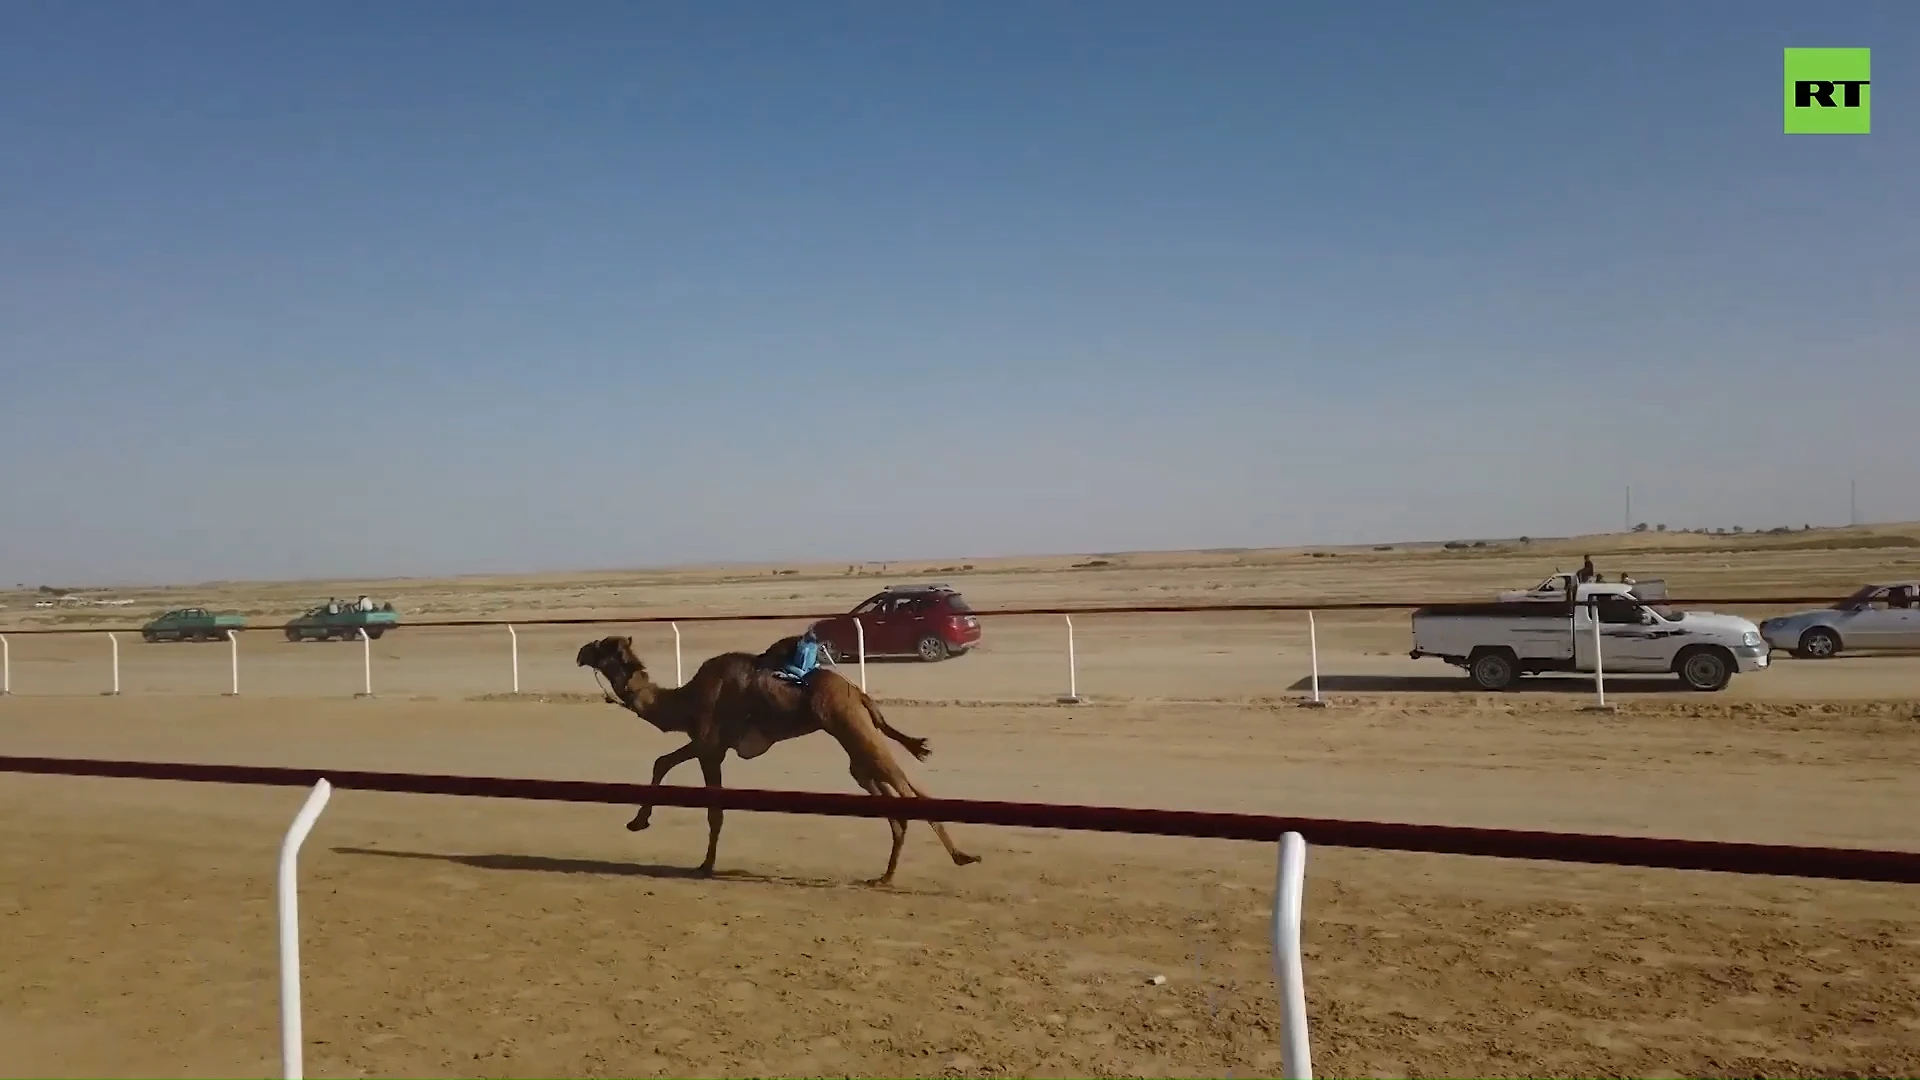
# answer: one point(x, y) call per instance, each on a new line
point(450, 936)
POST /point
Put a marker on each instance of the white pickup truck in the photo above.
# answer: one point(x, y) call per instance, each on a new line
point(1500, 641)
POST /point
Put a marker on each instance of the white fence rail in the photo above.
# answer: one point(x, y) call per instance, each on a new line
point(1072, 696)
point(516, 683)
point(1313, 662)
point(292, 1048)
point(1288, 968)
point(860, 635)
point(366, 665)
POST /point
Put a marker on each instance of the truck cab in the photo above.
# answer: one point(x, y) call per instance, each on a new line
point(1605, 626)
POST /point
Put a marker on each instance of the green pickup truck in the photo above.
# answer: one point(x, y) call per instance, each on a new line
point(191, 624)
point(343, 621)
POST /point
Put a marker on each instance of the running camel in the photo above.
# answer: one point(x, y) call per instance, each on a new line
point(735, 703)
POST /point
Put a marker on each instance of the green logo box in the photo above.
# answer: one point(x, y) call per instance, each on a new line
point(1828, 92)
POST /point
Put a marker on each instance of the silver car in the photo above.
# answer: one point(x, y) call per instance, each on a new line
point(1874, 618)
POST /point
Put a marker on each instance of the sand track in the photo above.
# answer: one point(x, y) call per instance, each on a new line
point(449, 936)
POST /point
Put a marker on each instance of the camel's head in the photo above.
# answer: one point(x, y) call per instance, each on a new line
point(610, 653)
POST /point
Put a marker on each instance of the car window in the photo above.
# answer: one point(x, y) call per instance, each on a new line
point(954, 603)
point(1615, 611)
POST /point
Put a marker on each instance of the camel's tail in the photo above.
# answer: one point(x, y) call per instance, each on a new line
point(916, 746)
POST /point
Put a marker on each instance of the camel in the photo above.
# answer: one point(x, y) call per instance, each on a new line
point(734, 703)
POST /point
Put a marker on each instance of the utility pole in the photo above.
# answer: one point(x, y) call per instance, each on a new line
point(1626, 522)
point(1853, 502)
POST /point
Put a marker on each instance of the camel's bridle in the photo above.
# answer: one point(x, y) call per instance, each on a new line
point(609, 690)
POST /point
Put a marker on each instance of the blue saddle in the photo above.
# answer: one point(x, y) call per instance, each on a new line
point(806, 660)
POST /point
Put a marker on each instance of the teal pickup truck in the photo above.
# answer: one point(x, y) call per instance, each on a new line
point(191, 624)
point(343, 621)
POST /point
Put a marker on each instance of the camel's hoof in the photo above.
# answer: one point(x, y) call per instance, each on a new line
point(705, 871)
point(964, 859)
point(878, 883)
point(637, 824)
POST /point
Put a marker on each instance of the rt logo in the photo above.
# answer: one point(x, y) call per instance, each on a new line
point(1828, 92)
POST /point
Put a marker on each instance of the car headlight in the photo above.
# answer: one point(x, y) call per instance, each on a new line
point(1751, 639)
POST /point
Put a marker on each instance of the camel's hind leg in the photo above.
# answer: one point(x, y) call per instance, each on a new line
point(898, 825)
point(896, 778)
point(710, 769)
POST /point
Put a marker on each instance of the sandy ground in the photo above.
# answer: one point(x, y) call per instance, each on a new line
point(475, 937)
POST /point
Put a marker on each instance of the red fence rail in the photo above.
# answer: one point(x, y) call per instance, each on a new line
point(1847, 864)
point(1130, 609)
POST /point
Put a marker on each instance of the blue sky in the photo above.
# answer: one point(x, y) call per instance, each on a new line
point(293, 290)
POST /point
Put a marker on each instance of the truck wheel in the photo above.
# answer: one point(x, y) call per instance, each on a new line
point(151, 637)
point(1705, 669)
point(375, 634)
point(293, 635)
point(1818, 643)
point(1493, 669)
point(931, 649)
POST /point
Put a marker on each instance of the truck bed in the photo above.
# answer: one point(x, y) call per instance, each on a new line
point(1539, 632)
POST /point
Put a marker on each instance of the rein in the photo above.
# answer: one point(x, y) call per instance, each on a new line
point(607, 691)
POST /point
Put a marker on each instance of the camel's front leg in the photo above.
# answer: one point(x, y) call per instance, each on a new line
point(662, 765)
point(710, 768)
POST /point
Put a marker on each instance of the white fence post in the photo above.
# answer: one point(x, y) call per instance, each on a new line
point(291, 1050)
point(1599, 667)
point(860, 636)
point(114, 640)
point(233, 660)
point(6, 667)
point(366, 664)
point(1296, 1060)
point(1313, 658)
point(1599, 662)
point(513, 637)
point(1072, 696)
point(678, 678)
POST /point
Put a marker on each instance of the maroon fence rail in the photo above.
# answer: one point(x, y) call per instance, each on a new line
point(1129, 609)
point(1848, 864)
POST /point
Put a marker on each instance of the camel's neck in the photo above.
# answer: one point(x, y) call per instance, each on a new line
point(655, 704)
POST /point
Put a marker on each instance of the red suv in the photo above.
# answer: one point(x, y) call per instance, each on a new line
point(928, 621)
